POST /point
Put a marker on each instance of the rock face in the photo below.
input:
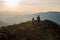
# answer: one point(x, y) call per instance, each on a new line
point(45, 30)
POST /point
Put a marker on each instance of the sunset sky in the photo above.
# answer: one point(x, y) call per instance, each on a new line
point(29, 5)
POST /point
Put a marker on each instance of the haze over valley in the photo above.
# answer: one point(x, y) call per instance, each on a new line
point(15, 18)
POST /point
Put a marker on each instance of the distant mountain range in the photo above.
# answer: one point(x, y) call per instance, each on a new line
point(18, 18)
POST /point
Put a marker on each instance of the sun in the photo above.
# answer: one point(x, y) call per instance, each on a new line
point(12, 3)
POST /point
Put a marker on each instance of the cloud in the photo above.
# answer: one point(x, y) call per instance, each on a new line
point(1, 1)
point(36, 2)
point(33, 6)
point(39, 2)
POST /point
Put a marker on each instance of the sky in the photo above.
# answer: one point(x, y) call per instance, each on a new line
point(29, 5)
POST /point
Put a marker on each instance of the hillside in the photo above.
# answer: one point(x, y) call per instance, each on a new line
point(43, 30)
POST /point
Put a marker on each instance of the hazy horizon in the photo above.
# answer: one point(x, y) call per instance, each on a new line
point(18, 18)
point(16, 11)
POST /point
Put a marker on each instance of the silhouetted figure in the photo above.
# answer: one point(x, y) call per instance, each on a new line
point(32, 20)
point(38, 19)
